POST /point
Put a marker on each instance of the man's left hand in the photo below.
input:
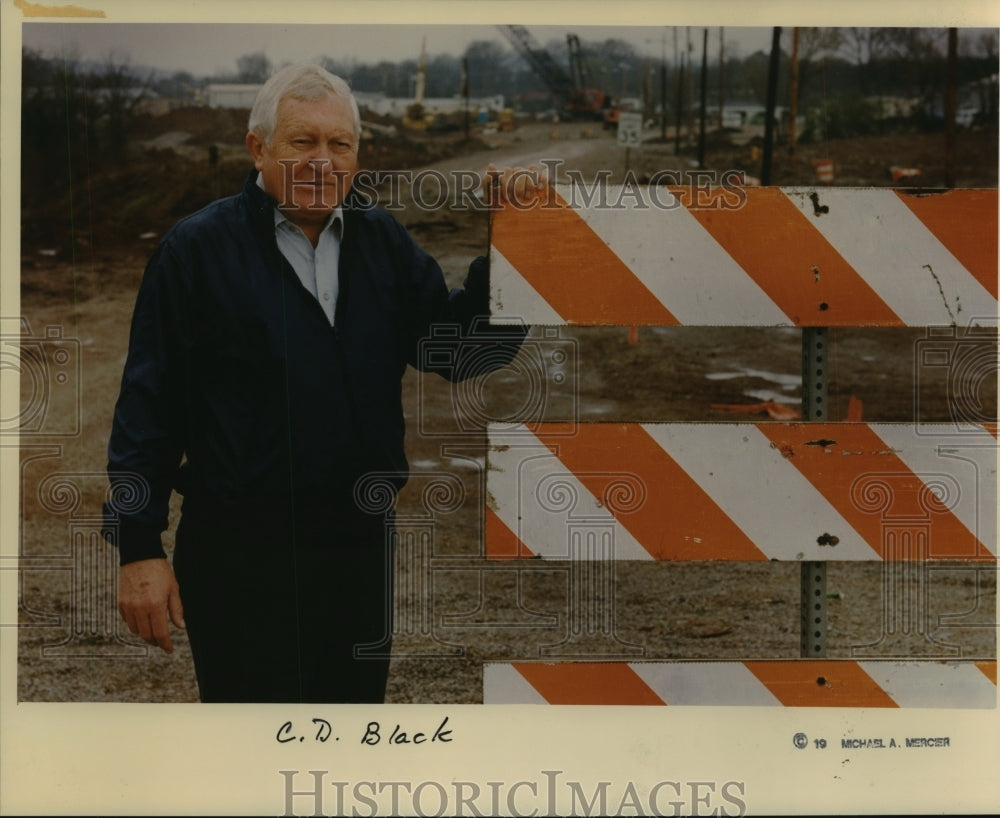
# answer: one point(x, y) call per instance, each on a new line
point(513, 184)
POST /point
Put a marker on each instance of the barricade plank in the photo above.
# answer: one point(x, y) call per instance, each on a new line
point(743, 492)
point(773, 683)
point(747, 257)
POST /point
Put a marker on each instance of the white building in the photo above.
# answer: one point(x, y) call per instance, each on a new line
point(231, 95)
point(396, 106)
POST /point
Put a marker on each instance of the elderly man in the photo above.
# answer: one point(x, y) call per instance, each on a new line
point(263, 379)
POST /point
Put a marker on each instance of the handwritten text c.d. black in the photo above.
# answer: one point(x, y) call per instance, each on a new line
point(320, 730)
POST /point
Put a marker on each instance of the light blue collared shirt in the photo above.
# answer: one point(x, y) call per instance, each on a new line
point(316, 267)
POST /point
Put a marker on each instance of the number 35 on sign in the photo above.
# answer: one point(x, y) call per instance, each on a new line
point(629, 130)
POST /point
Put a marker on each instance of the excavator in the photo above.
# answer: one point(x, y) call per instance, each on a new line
point(578, 101)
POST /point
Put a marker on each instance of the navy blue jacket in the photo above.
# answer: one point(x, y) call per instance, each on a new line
point(233, 367)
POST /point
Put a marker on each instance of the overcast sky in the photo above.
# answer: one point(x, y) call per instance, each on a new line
point(214, 48)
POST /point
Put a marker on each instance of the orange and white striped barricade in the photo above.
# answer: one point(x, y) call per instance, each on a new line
point(594, 493)
point(769, 683)
point(824, 170)
point(743, 492)
point(902, 494)
point(649, 256)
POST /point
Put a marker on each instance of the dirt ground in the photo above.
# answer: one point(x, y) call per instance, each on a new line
point(454, 610)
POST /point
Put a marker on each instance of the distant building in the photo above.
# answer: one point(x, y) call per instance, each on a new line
point(743, 113)
point(232, 95)
point(396, 106)
point(893, 107)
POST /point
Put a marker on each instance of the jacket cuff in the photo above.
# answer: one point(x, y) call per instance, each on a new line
point(134, 542)
point(477, 286)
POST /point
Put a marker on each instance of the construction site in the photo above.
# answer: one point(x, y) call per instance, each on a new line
point(88, 228)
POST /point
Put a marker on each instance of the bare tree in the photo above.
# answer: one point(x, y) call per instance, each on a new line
point(120, 91)
point(254, 67)
point(858, 44)
point(487, 62)
point(981, 44)
point(816, 43)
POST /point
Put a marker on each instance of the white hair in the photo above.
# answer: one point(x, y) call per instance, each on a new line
point(307, 81)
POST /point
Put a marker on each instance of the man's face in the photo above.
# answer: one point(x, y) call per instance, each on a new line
point(309, 166)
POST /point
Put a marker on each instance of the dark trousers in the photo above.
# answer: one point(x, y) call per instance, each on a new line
point(283, 611)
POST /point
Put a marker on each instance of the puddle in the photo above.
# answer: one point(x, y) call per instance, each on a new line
point(789, 384)
point(785, 381)
point(597, 409)
point(771, 395)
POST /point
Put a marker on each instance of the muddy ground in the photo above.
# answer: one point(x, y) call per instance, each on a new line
point(455, 611)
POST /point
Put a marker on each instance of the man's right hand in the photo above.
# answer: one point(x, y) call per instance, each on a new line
point(147, 595)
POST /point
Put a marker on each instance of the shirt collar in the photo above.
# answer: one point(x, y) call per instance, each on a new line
point(335, 219)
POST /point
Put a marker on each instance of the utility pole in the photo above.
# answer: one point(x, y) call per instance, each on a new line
point(772, 93)
point(663, 101)
point(663, 85)
point(722, 75)
point(950, 103)
point(464, 91)
point(647, 90)
point(679, 118)
point(793, 93)
point(690, 90)
point(678, 97)
point(704, 98)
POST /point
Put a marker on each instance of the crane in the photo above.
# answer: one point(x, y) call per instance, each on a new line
point(570, 88)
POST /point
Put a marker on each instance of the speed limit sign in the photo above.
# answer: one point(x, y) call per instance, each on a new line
point(629, 130)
